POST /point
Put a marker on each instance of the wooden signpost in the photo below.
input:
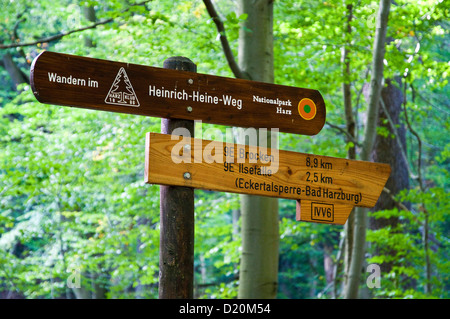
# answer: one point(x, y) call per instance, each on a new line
point(136, 89)
point(327, 187)
point(177, 217)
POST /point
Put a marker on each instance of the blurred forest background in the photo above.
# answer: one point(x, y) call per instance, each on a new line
point(73, 203)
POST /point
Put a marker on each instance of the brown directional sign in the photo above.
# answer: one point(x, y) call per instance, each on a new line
point(129, 88)
point(327, 187)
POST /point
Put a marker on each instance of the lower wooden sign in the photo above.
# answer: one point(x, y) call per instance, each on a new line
point(327, 187)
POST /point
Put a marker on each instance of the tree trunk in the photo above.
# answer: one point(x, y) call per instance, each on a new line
point(358, 249)
point(260, 236)
point(16, 75)
point(350, 126)
point(387, 150)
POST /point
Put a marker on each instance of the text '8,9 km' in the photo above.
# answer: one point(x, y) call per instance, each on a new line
point(136, 89)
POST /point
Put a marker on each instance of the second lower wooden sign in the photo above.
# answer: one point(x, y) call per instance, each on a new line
point(317, 180)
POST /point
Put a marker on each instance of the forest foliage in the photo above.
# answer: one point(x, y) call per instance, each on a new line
point(73, 202)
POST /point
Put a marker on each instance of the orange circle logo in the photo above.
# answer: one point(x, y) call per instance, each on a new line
point(307, 109)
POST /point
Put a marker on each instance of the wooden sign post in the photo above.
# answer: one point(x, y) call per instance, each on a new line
point(327, 187)
point(177, 225)
point(136, 89)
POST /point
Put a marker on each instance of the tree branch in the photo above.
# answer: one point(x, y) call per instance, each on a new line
point(350, 138)
point(55, 37)
point(419, 142)
point(63, 34)
point(224, 41)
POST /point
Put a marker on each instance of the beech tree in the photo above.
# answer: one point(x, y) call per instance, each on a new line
point(260, 236)
point(375, 87)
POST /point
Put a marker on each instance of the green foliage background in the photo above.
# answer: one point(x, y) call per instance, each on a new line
point(72, 196)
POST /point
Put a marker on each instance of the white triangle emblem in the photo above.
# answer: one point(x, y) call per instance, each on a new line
point(121, 91)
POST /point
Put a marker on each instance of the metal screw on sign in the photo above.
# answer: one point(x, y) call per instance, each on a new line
point(187, 175)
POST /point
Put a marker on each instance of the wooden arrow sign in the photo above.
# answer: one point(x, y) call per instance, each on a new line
point(136, 89)
point(328, 187)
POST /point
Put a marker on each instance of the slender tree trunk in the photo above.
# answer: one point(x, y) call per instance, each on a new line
point(260, 236)
point(328, 265)
point(89, 14)
point(358, 249)
point(350, 125)
point(423, 209)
